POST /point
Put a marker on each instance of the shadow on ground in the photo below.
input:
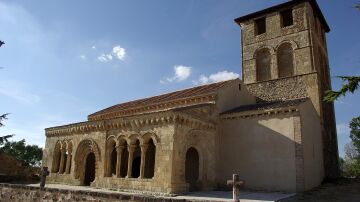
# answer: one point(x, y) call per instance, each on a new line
point(344, 190)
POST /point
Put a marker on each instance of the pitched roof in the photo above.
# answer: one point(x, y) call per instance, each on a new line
point(278, 7)
point(181, 98)
point(266, 105)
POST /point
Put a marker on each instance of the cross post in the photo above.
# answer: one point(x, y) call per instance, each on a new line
point(235, 183)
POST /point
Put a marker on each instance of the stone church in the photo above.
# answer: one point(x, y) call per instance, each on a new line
point(272, 127)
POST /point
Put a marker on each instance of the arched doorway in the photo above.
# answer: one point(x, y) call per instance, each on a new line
point(89, 169)
point(192, 168)
point(87, 160)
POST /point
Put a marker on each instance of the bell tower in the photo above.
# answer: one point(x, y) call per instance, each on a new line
point(284, 57)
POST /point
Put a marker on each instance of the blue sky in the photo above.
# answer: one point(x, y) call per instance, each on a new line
point(64, 60)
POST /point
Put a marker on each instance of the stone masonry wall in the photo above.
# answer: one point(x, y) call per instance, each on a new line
point(204, 143)
point(162, 172)
point(280, 89)
point(308, 40)
point(20, 193)
point(297, 35)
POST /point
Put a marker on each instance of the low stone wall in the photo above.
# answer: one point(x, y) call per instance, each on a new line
point(20, 193)
point(14, 170)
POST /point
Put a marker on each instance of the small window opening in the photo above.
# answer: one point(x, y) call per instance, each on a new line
point(260, 26)
point(287, 18)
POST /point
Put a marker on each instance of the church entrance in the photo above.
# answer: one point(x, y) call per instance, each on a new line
point(89, 169)
point(192, 168)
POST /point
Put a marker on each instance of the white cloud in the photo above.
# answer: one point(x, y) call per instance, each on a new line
point(102, 58)
point(117, 52)
point(105, 57)
point(181, 73)
point(93, 47)
point(217, 77)
point(83, 57)
point(109, 56)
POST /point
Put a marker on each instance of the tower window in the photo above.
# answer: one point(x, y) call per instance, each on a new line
point(260, 26)
point(263, 65)
point(287, 18)
point(285, 59)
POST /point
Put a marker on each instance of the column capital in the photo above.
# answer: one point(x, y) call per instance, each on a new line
point(131, 148)
point(120, 148)
point(144, 147)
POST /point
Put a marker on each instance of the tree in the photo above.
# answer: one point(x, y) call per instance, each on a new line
point(351, 84)
point(355, 134)
point(351, 162)
point(30, 154)
point(4, 138)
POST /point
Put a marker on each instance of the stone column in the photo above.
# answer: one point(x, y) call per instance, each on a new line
point(108, 163)
point(119, 150)
point(131, 150)
point(144, 148)
point(68, 162)
point(62, 159)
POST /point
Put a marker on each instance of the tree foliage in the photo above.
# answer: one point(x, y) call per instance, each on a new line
point(355, 133)
point(350, 84)
point(351, 163)
point(357, 6)
point(30, 154)
point(4, 138)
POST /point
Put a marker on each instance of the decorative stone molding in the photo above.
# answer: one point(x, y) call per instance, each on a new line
point(261, 113)
point(83, 149)
point(127, 123)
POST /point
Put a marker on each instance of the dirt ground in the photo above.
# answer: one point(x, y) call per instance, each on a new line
point(344, 190)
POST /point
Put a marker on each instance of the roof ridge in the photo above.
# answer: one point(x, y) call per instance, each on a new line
point(142, 101)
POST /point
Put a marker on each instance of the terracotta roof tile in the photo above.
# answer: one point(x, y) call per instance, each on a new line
point(164, 98)
point(266, 105)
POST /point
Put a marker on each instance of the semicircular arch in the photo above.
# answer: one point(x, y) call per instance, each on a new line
point(84, 148)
